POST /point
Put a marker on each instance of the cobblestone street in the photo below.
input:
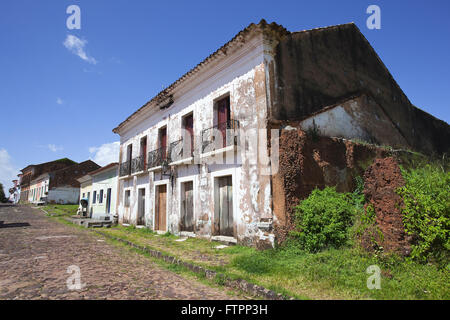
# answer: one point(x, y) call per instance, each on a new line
point(35, 253)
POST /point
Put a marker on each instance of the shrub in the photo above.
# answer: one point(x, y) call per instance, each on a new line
point(366, 230)
point(426, 197)
point(323, 219)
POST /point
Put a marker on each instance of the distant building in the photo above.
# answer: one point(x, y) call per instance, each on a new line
point(56, 181)
point(99, 187)
point(32, 171)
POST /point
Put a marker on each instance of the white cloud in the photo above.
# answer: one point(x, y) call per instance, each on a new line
point(76, 46)
point(106, 153)
point(54, 148)
point(59, 101)
point(8, 171)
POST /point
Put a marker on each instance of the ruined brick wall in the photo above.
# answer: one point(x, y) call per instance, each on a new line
point(321, 67)
point(381, 180)
point(306, 163)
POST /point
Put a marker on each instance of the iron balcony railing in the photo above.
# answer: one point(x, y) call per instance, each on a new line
point(220, 136)
point(125, 168)
point(156, 157)
point(138, 164)
point(180, 149)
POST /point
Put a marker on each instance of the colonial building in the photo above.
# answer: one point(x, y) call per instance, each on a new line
point(199, 158)
point(32, 171)
point(56, 181)
point(99, 188)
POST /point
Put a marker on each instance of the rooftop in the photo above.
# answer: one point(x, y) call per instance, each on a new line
point(164, 98)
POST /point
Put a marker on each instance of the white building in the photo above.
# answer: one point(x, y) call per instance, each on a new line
point(100, 188)
point(206, 187)
point(224, 183)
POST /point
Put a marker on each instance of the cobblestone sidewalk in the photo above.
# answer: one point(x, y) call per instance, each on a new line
point(36, 252)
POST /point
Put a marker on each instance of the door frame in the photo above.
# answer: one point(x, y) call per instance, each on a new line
point(108, 200)
point(222, 173)
point(139, 188)
point(125, 216)
point(180, 197)
point(156, 184)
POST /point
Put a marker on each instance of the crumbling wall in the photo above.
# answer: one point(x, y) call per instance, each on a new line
point(381, 180)
point(307, 163)
point(321, 67)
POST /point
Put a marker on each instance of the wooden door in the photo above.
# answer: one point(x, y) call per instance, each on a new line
point(161, 203)
point(108, 201)
point(163, 142)
point(141, 208)
point(189, 127)
point(224, 218)
point(129, 157)
point(144, 151)
point(223, 117)
point(187, 207)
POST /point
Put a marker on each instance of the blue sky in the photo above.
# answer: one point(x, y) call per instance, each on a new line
point(55, 104)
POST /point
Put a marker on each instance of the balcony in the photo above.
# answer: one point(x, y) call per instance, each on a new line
point(125, 169)
point(180, 150)
point(220, 136)
point(156, 157)
point(138, 164)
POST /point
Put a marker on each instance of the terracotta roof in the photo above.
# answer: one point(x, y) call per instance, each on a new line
point(165, 95)
point(108, 166)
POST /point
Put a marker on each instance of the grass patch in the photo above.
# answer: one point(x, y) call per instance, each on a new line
point(61, 210)
point(328, 274)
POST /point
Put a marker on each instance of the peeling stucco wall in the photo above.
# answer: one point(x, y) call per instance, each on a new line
point(359, 118)
point(244, 80)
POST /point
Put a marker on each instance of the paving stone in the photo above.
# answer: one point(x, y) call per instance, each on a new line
point(35, 259)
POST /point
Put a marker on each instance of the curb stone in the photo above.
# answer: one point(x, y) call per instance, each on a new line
point(239, 284)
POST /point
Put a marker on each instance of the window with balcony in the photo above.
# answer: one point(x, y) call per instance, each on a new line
point(224, 132)
point(125, 167)
point(157, 156)
point(184, 147)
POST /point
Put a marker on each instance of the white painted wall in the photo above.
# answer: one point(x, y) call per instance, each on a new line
point(235, 76)
point(64, 195)
point(102, 181)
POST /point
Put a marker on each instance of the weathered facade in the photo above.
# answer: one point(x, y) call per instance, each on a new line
point(220, 184)
point(99, 187)
point(57, 181)
point(31, 172)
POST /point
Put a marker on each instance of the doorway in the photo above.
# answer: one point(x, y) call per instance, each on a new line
point(187, 207)
point(141, 208)
point(223, 206)
point(108, 201)
point(160, 208)
point(223, 119)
